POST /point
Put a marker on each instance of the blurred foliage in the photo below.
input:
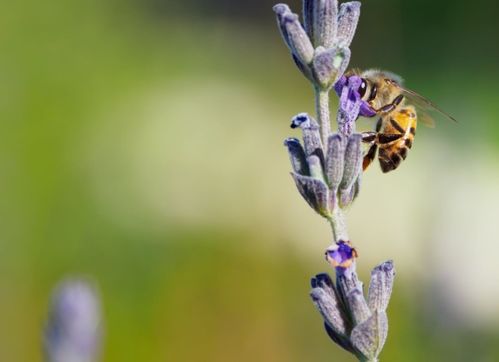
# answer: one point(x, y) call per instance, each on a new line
point(211, 274)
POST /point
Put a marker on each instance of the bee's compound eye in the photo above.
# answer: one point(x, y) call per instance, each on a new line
point(363, 88)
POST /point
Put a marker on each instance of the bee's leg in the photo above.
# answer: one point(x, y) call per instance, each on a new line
point(368, 137)
point(391, 106)
point(384, 138)
point(369, 156)
point(372, 139)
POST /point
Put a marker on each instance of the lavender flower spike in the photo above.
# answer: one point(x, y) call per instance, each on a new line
point(327, 171)
point(73, 330)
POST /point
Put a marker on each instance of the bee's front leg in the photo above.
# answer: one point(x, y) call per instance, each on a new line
point(369, 137)
point(391, 106)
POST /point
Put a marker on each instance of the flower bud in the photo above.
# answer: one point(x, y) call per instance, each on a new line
point(325, 17)
point(316, 193)
point(357, 306)
point(308, 17)
point(343, 342)
point(348, 19)
point(293, 33)
point(352, 169)
point(311, 135)
point(315, 166)
point(335, 160)
point(380, 288)
point(329, 64)
point(281, 10)
point(304, 69)
point(369, 337)
point(297, 156)
point(326, 300)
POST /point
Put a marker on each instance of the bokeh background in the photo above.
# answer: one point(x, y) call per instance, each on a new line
point(141, 145)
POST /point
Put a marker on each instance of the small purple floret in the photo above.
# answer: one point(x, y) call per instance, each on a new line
point(340, 84)
point(342, 254)
point(351, 103)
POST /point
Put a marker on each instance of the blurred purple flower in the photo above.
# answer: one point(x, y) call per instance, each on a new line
point(73, 330)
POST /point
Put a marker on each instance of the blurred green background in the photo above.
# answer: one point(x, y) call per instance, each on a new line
point(141, 145)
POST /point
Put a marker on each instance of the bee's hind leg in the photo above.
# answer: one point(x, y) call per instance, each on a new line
point(369, 156)
point(370, 138)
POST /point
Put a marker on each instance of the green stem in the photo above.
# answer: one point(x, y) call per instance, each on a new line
point(322, 109)
point(339, 224)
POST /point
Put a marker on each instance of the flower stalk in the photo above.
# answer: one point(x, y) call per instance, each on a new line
point(327, 170)
point(339, 225)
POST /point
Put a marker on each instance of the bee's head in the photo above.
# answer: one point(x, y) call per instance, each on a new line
point(360, 88)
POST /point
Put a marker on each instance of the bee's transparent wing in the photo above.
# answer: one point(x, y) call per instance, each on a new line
point(425, 118)
point(425, 107)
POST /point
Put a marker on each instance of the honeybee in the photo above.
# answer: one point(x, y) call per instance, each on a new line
point(384, 96)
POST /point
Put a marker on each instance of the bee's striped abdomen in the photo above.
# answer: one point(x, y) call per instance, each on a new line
point(396, 138)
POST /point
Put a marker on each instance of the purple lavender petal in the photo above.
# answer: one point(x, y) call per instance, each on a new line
point(350, 103)
point(352, 83)
point(340, 84)
point(366, 110)
point(342, 254)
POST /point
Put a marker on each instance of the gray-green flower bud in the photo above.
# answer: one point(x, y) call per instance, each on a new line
point(326, 300)
point(358, 306)
point(335, 160)
point(348, 19)
point(311, 135)
point(329, 65)
point(293, 33)
point(325, 15)
point(297, 156)
point(380, 287)
point(315, 193)
point(369, 337)
point(352, 170)
point(315, 166)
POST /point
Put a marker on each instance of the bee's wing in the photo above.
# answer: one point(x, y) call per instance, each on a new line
point(425, 118)
point(425, 106)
